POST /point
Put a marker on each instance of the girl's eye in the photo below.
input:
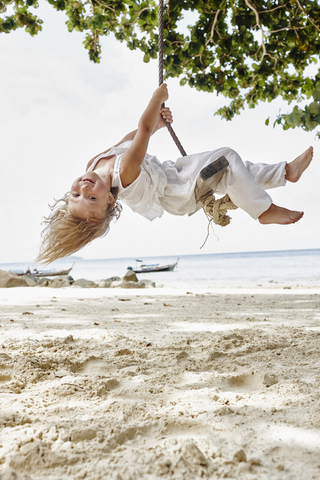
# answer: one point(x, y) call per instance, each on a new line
point(75, 194)
point(92, 198)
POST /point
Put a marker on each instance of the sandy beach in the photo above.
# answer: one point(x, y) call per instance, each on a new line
point(158, 383)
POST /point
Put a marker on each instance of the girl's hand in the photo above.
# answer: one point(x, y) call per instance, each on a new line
point(162, 93)
point(165, 115)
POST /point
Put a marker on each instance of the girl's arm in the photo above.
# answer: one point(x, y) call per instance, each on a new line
point(157, 121)
point(149, 123)
point(129, 136)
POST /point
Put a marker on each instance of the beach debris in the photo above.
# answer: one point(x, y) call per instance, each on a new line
point(61, 373)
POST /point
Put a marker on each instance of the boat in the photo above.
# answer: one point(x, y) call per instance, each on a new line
point(42, 273)
point(155, 267)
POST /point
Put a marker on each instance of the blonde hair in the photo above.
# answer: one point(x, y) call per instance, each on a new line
point(65, 234)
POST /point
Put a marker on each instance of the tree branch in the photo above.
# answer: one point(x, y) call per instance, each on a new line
point(103, 5)
point(4, 9)
point(92, 6)
point(309, 18)
point(213, 28)
point(263, 46)
point(287, 28)
point(138, 15)
point(253, 8)
point(273, 9)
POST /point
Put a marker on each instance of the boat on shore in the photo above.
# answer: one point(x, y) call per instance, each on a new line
point(155, 267)
point(42, 273)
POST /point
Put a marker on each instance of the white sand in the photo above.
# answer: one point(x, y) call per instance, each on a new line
point(100, 383)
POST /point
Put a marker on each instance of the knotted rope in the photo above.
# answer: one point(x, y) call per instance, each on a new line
point(160, 58)
point(215, 210)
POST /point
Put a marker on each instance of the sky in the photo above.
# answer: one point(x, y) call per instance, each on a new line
point(58, 110)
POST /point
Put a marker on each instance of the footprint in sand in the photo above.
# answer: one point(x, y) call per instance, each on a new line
point(245, 382)
point(4, 377)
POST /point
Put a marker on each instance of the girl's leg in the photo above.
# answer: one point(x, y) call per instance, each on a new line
point(271, 176)
point(245, 183)
point(279, 215)
point(295, 169)
point(239, 182)
point(268, 176)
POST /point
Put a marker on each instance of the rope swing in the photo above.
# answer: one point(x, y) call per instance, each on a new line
point(160, 57)
point(215, 210)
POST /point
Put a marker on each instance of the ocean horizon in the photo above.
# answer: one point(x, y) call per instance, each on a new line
point(277, 268)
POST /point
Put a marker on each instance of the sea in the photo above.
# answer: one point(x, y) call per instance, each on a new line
point(282, 269)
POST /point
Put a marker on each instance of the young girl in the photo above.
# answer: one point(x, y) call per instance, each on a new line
point(127, 172)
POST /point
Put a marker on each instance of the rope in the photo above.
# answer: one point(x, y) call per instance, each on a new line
point(160, 57)
point(215, 210)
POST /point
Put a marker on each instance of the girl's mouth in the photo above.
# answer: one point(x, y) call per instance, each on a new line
point(87, 180)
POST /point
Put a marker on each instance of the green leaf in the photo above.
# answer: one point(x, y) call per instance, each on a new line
point(310, 124)
point(220, 52)
point(314, 108)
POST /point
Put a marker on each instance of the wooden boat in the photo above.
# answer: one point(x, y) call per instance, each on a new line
point(43, 273)
point(155, 267)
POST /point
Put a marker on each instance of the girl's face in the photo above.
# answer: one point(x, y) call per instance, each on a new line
point(89, 197)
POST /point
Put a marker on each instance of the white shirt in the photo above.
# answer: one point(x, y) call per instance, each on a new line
point(167, 186)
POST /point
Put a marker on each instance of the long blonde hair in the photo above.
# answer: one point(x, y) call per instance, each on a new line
point(65, 234)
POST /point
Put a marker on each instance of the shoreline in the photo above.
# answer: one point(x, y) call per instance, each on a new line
point(289, 268)
point(73, 292)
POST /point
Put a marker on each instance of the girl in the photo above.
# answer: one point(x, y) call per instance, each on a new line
point(127, 172)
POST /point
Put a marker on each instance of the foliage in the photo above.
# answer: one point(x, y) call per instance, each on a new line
point(246, 50)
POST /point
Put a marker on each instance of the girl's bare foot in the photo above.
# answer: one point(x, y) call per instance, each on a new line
point(295, 169)
point(279, 215)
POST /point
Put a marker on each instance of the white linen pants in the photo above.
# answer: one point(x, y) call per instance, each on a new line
point(246, 182)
